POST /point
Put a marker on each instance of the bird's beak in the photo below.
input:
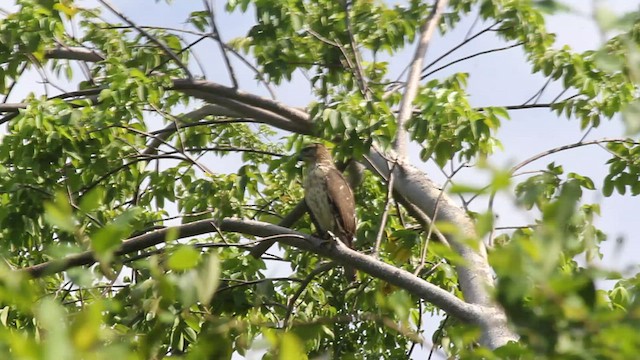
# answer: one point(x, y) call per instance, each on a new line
point(299, 158)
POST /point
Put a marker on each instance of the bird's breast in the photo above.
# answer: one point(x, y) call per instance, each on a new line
point(317, 199)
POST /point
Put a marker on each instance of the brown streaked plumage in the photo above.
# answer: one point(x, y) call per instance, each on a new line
point(329, 197)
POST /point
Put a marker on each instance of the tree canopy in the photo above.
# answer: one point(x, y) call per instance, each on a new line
point(137, 191)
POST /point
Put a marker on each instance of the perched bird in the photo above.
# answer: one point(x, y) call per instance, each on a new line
point(328, 197)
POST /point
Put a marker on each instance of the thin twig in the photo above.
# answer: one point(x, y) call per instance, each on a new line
point(227, 149)
point(550, 152)
point(223, 49)
point(303, 285)
point(568, 147)
point(186, 48)
point(423, 255)
point(10, 88)
point(560, 95)
point(439, 333)
point(340, 47)
point(538, 93)
point(466, 41)
point(473, 25)
point(385, 213)
point(470, 57)
point(153, 39)
point(204, 123)
point(228, 48)
point(257, 281)
point(359, 72)
point(181, 151)
point(418, 329)
point(516, 227)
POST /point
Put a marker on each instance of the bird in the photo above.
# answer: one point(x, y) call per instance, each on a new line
point(329, 198)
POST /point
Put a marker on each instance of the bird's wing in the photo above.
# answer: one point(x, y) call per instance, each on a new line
point(342, 203)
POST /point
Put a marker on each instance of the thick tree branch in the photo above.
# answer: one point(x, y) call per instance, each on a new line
point(249, 105)
point(417, 188)
point(413, 78)
point(74, 53)
point(338, 252)
point(258, 113)
point(474, 275)
point(287, 112)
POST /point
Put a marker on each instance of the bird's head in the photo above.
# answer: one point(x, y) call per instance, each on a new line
point(315, 153)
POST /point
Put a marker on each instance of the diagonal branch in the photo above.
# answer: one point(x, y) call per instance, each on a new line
point(413, 78)
point(250, 111)
point(218, 37)
point(470, 57)
point(359, 71)
point(474, 274)
point(290, 113)
point(339, 252)
point(464, 42)
point(303, 285)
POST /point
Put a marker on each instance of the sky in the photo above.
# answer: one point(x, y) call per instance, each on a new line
point(497, 79)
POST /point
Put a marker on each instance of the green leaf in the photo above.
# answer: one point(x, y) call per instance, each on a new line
point(291, 347)
point(92, 199)
point(4, 314)
point(208, 278)
point(109, 238)
point(184, 257)
point(631, 117)
point(106, 240)
point(58, 213)
point(52, 318)
point(584, 181)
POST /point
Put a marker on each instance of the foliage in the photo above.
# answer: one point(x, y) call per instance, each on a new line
point(116, 152)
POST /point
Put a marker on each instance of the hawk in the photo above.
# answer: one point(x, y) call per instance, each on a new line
point(328, 197)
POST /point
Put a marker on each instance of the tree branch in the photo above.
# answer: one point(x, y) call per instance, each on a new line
point(471, 57)
point(413, 78)
point(293, 216)
point(464, 42)
point(475, 275)
point(290, 113)
point(338, 252)
point(223, 49)
point(255, 112)
point(303, 285)
point(74, 53)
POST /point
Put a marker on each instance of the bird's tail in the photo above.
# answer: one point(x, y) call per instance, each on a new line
point(349, 272)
